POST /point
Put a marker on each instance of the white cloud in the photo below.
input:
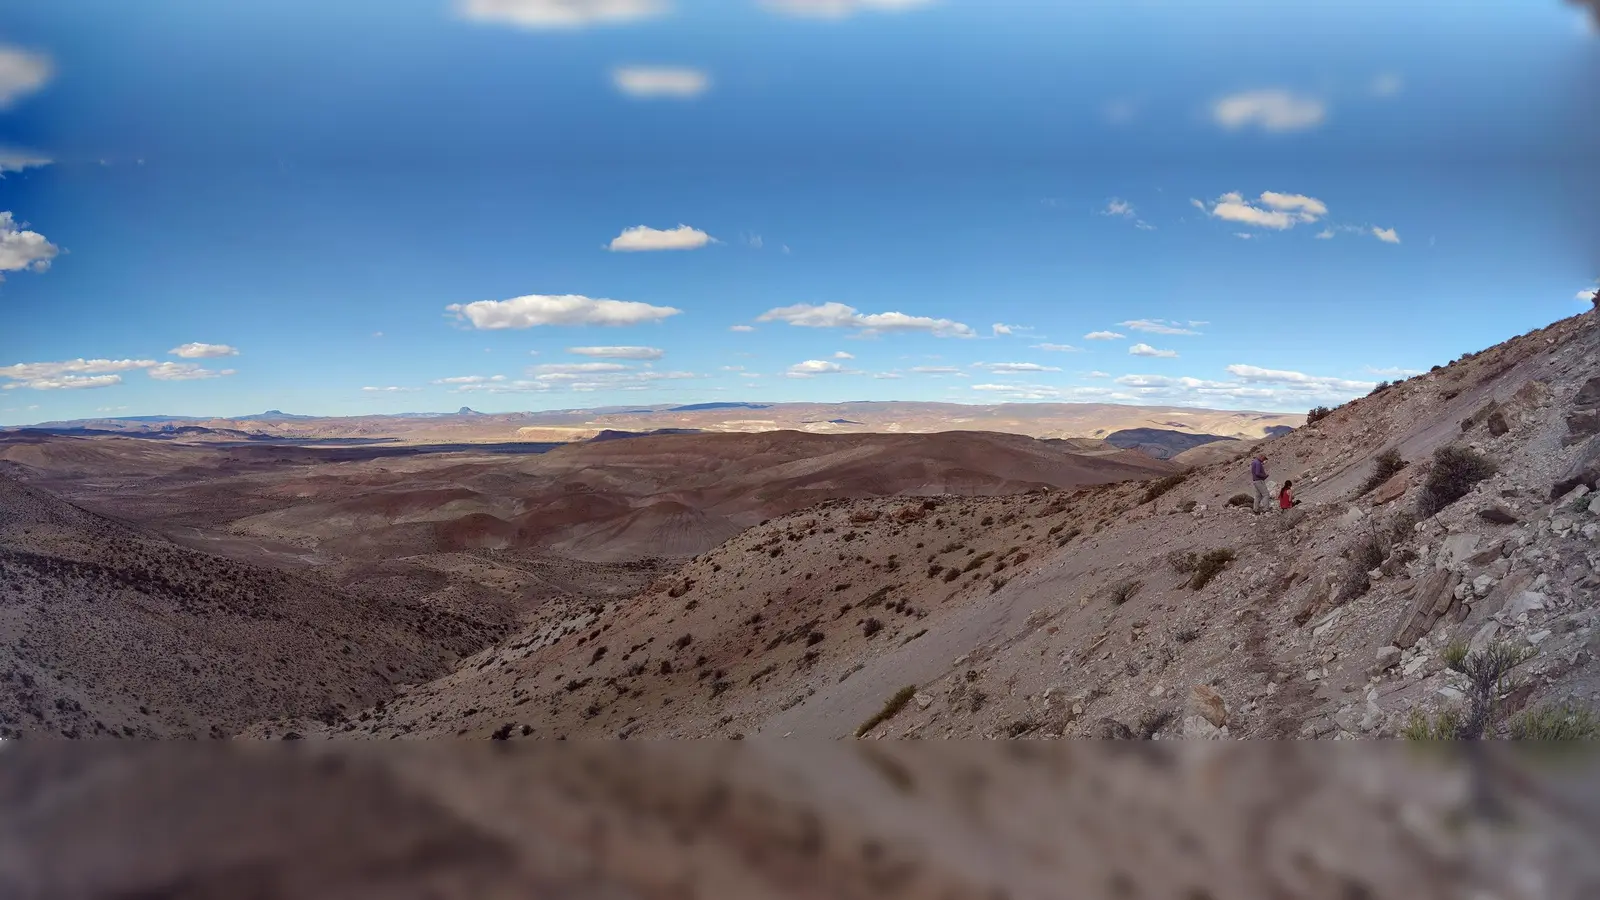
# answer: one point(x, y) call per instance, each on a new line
point(1014, 367)
point(936, 370)
point(15, 160)
point(1258, 375)
point(1394, 372)
point(536, 310)
point(1118, 208)
point(21, 73)
point(568, 371)
point(644, 238)
point(742, 329)
point(1588, 293)
point(1157, 326)
point(660, 81)
point(171, 371)
point(203, 351)
point(751, 375)
point(887, 375)
point(1058, 348)
point(23, 250)
point(813, 367)
point(1001, 330)
point(541, 14)
point(1147, 350)
point(1146, 381)
point(618, 352)
point(1042, 392)
point(1387, 235)
point(392, 390)
point(1097, 374)
point(843, 355)
point(1387, 85)
point(470, 379)
point(1325, 234)
point(1273, 110)
point(733, 368)
point(1104, 336)
point(840, 9)
point(837, 315)
point(71, 374)
point(110, 409)
point(1285, 212)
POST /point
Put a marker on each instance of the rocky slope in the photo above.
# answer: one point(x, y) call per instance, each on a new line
point(1080, 613)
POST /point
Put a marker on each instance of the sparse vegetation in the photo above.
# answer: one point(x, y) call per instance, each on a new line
point(1241, 500)
point(871, 627)
point(1454, 655)
point(1385, 466)
point(1486, 672)
point(1186, 635)
point(1557, 722)
point(1123, 591)
point(1442, 727)
point(1317, 414)
point(1208, 566)
point(1151, 723)
point(1155, 490)
point(891, 708)
point(1455, 471)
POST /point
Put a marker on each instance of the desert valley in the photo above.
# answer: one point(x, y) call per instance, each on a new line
point(164, 582)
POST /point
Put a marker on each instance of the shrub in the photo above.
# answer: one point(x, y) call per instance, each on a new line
point(1122, 592)
point(1166, 484)
point(1153, 721)
point(1183, 562)
point(1187, 506)
point(1486, 671)
point(951, 574)
point(1380, 388)
point(1317, 414)
point(1241, 500)
point(814, 638)
point(871, 627)
point(1561, 722)
point(1455, 471)
point(1209, 566)
point(996, 584)
point(891, 708)
point(1454, 654)
point(1442, 727)
point(1384, 467)
point(1186, 635)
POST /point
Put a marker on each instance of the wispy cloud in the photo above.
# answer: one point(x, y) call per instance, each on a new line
point(650, 82)
point(22, 250)
point(1388, 84)
point(1012, 368)
point(171, 371)
point(1257, 387)
point(936, 370)
point(561, 14)
point(1038, 393)
point(1001, 329)
point(644, 238)
point(22, 72)
point(1104, 336)
point(743, 329)
point(838, 315)
point(1058, 348)
point(1394, 372)
point(840, 9)
point(13, 159)
point(535, 310)
point(1147, 350)
point(1157, 326)
point(1122, 209)
point(1387, 235)
point(470, 379)
point(843, 355)
point(391, 389)
point(618, 352)
point(1272, 110)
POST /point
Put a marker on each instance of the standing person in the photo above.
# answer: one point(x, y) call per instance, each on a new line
point(1258, 480)
point(1286, 499)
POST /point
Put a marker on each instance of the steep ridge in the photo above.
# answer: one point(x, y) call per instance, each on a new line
point(1065, 614)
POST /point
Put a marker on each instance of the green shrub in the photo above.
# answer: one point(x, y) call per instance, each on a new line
point(1454, 654)
point(891, 708)
point(1455, 471)
point(1317, 414)
point(1241, 500)
point(1166, 484)
point(1559, 722)
point(1153, 721)
point(1443, 727)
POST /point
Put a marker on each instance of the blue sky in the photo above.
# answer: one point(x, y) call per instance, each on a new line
point(346, 208)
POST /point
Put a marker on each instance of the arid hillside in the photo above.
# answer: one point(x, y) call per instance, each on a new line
point(1156, 608)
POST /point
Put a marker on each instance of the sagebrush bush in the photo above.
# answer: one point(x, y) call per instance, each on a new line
point(1317, 414)
point(1560, 722)
point(891, 708)
point(1209, 565)
point(1155, 490)
point(1241, 500)
point(1455, 471)
point(1122, 592)
point(1385, 466)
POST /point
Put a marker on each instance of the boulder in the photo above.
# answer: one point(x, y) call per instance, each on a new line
point(1456, 548)
point(1197, 728)
point(1584, 470)
point(1584, 419)
point(1431, 598)
point(1517, 608)
point(1388, 657)
point(1497, 424)
point(1205, 702)
point(1498, 515)
point(1393, 489)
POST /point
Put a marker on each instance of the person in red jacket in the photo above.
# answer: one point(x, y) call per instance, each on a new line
point(1286, 498)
